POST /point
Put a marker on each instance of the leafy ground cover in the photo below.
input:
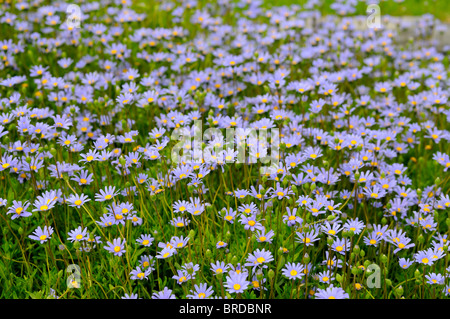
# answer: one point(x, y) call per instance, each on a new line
point(350, 127)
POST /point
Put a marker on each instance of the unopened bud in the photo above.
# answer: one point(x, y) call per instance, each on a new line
point(421, 239)
point(437, 181)
point(306, 258)
point(399, 291)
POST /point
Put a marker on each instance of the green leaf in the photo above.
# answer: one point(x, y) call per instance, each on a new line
point(10, 196)
point(281, 263)
point(37, 295)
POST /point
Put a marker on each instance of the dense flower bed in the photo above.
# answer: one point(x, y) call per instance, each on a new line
point(220, 150)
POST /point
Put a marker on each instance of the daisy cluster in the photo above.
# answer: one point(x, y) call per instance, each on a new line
point(90, 115)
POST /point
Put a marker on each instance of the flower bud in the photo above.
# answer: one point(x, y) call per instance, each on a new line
point(294, 189)
point(352, 256)
point(330, 240)
point(421, 239)
point(76, 245)
point(53, 152)
point(259, 275)
point(306, 258)
point(399, 291)
point(437, 181)
point(419, 192)
point(417, 274)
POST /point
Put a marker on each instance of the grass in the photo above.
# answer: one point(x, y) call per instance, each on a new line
point(439, 8)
